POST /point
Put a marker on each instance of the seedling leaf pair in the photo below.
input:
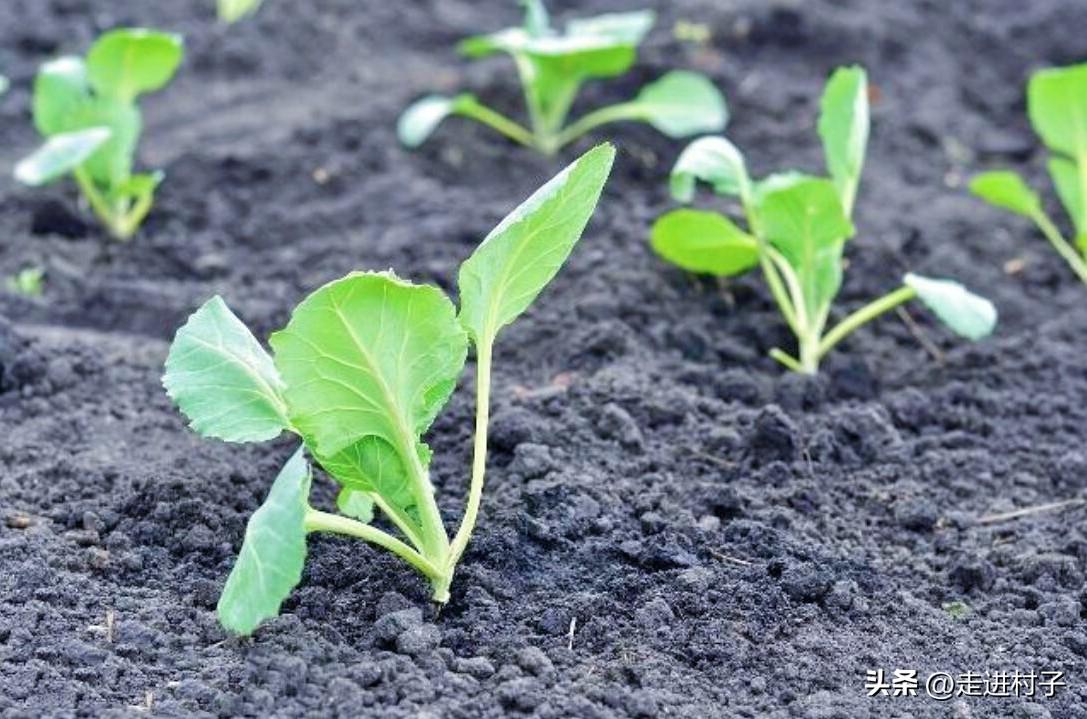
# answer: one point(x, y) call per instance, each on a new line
point(359, 373)
point(552, 67)
point(86, 109)
point(797, 229)
point(1057, 106)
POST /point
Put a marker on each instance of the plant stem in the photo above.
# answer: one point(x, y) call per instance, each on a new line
point(613, 113)
point(101, 208)
point(787, 360)
point(477, 111)
point(479, 452)
point(865, 314)
point(318, 521)
point(1061, 245)
point(399, 519)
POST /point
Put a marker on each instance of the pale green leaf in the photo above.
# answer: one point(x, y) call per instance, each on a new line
point(423, 116)
point(372, 464)
point(60, 155)
point(126, 62)
point(1057, 105)
point(355, 504)
point(714, 160)
point(682, 103)
point(111, 164)
point(537, 21)
point(269, 564)
point(230, 11)
point(1007, 190)
point(1070, 180)
point(843, 127)
point(777, 181)
point(59, 88)
point(806, 223)
point(625, 28)
point(369, 356)
point(525, 251)
point(4, 84)
point(222, 379)
point(704, 242)
point(965, 313)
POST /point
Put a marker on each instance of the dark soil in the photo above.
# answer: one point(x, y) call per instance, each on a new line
point(672, 526)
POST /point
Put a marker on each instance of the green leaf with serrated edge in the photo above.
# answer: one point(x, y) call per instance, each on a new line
point(126, 62)
point(1057, 105)
point(704, 242)
point(682, 103)
point(806, 223)
point(269, 564)
point(222, 379)
point(60, 155)
point(1006, 190)
point(59, 87)
point(714, 160)
point(370, 355)
point(1066, 176)
point(521, 255)
point(843, 127)
point(423, 116)
point(965, 313)
point(231, 11)
point(355, 504)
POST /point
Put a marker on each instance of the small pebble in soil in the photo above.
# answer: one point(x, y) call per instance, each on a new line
point(419, 639)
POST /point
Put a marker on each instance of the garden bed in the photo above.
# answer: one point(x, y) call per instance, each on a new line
point(673, 526)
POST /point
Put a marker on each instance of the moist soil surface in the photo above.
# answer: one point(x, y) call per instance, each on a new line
point(672, 525)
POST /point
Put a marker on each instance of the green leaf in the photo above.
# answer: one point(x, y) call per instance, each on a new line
point(525, 251)
point(711, 159)
point(965, 313)
point(624, 28)
point(222, 379)
point(59, 88)
point(1057, 105)
point(1006, 190)
point(269, 564)
point(1068, 178)
point(423, 116)
point(537, 21)
point(26, 282)
point(373, 465)
point(843, 126)
point(231, 11)
point(704, 242)
point(137, 186)
point(111, 164)
point(805, 221)
point(682, 103)
point(779, 181)
point(60, 155)
point(4, 84)
point(127, 62)
point(355, 504)
point(370, 356)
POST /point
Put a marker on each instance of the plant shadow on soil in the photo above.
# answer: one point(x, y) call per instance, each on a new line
point(672, 526)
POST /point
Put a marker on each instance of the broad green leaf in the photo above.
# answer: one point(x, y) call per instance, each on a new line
point(373, 465)
point(1057, 105)
point(355, 504)
point(627, 28)
point(843, 126)
point(370, 356)
point(704, 242)
point(269, 564)
point(127, 62)
point(230, 11)
point(111, 164)
point(1070, 179)
point(60, 155)
point(1006, 189)
point(806, 223)
point(965, 313)
point(222, 379)
point(714, 160)
point(423, 116)
point(779, 181)
point(59, 87)
point(521, 255)
point(682, 103)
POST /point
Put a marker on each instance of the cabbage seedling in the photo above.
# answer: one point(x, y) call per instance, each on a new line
point(553, 65)
point(86, 110)
point(1057, 107)
point(360, 371)
point(797, 227)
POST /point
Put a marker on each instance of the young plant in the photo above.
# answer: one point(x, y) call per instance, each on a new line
point(26, 282)
point(552, 66)
point(1057, 106)
point(797, 227)
point(86, 109)
point(359, 373)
